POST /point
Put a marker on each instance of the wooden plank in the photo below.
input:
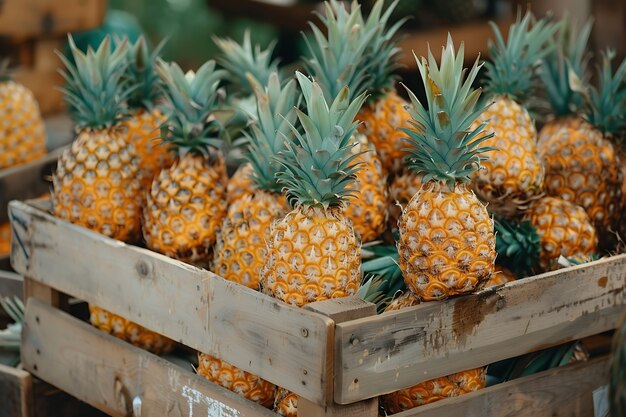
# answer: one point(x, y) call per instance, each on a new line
point(16, 392)
point(564, 391)
point(34, 18)
point(398, 349)
point(50, 401)
point(26, 181)
point(116, 377)
point(281, 343)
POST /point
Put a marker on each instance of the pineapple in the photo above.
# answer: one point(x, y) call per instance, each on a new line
point(96, 184)
point(240, 183)
point(187, 201)
point(407, 299)
point(569, 56)
point(22, 137)
point(241, 250)
point(313, 252)
point(447, 241)
point(286, 403)
point(512, 173)
point(402, 188)
point(145, 118)
point(501, 275)
point(338, 57)
point(582, 164)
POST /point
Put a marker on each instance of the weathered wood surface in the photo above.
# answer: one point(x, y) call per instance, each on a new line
point(26, 181)
point(116, 377)
point(15, 392)
point(281, 343)
point(398, 349)
point(36, 18)
point(564, 391)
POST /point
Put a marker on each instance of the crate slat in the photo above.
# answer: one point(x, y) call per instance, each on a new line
point(383, 353)
point(110, 374)
point(259, 334)
point(15, 391)
point(563, 391)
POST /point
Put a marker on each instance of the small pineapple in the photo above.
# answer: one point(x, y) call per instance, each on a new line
point(187, 201)
point(145, 117)
point(407, 299)
point(286, 403)
point(22, 136)
point(447, 241)
point(313, 252)
point(513, 172)
point(501, 275)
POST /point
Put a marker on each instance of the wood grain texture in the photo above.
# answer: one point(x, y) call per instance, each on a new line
point(37, 18)
point(281, 343)
point(564, 391)
point(115, 376)
point(15, 392)
point(398, 349)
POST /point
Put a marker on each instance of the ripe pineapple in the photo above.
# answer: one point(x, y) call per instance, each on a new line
point(286, 403)
point(501, 275)
point(145, 117)
point(96, 183)
point(513, 172)
point(187, 201)
point(402, 188)
point(240, 183)
point(408, 299)
point(447, 242)
point(22, 136)
point(569, 56)
point(582, 164)
point(338, 57)
point(240, 251)
point(313, 252)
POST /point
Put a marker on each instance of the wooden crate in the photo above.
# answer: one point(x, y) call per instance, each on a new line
point(337, 354)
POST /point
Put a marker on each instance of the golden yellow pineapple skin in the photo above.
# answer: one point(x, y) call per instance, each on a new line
point(241, 382)
point(381, 123)
point(447, 242)
point(564, 229)
point(185, 208)
point(500, 276)
point(401, 190)
point(240, 250)
point(512, 175)
point(553, 126)
point(368, 208)
point(286, 403)
point(129, 331)
point(583, 167)
point(22, 134)
point(5, 238)
point(408, 299)
point(313, 255)
point(96, 185)
point(240, 183)
point(142, 130)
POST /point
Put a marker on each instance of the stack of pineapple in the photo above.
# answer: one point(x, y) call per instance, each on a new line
point(331, 156)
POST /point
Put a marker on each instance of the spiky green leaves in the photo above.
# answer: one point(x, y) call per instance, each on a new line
point(518, 246)
point(513, 65)
point(382, 277)
point(319, 166)
point(141, 75)
point(569, 57)
point(443, 147)
point(95, 89)
point(191, 100)
point(275, 114)
point(242, 59)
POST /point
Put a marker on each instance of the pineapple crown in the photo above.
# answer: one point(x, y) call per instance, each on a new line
point(191, 100)
point(382, 277)
point(319, 165)
point(606, 104)
point(241, 59)
point(443, 146)
point(338, 53)
point(272, 124)
point(96, 89)
point(141, 73)
point(518, 246)
point(513, 65)
point(568, 58)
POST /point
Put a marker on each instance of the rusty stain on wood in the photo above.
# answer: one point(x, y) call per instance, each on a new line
point(468, 314)
point(603, 281)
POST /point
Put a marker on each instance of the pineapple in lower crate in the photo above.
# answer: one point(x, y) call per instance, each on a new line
point(447, 242)
point(186, 202)
point(513, 173)
point(313, 252)
point(286, 403)
point(22, 135)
